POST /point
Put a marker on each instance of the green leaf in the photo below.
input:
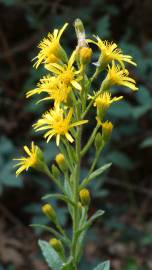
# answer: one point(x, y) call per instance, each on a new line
point(50, 255)
point(99, 171)
point(103, 266)
point(89, 222)
point(96, 215)
point(68, 189)
point(68, 265)
point(146, 143)
point(58, 196)
point(95, 174)
point(54, 232)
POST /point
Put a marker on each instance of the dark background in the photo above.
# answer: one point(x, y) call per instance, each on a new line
point(124, 234)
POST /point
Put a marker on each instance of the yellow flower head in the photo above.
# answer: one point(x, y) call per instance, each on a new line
point(55, 89)
point(56, 124)
point(30, 161)
point(111, 52)
point(85, 54)
point(104, 100)
point(66, 73)
point(50, 48)
point(118, 76)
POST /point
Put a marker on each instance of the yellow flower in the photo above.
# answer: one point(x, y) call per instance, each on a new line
point(50, 48)
point(104, 100)
point(85, 55)
point(118, 76)
point(110, 52)
point(31, 161)
point(46, 83)
point(55, 88)
point(66, 73)
point(56, 124)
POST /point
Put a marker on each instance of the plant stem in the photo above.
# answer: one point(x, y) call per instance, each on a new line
point(86, 180)
point(50, 175)
point(90, 141)
point(76, 195)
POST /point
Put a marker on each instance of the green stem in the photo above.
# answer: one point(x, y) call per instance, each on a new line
point(67, 158)
point(90, 141)
point(76, 195)
point(50, 175)
point(95, 75)
point(86, 180)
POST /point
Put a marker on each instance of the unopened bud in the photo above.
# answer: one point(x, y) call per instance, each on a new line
point(79, 26)
point(60, 160)
point(85, 55)
point(85, 197)
point(48, 210)
point(107, 128)
point(98, 141)
point(80, 32)
point(55, 171)
point(58, 247)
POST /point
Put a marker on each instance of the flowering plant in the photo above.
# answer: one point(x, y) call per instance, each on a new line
point(70, 90)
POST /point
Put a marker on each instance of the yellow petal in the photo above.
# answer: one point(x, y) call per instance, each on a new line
point(69, 137)
point(27, 150)
point(76, 85)
point(62, 30)
point(81, 122)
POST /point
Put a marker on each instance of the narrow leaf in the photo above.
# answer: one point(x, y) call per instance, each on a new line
point(103, 266)
point(89, 222)
point(99, 171)
point(58, 196)
point(68, 266)
point(96, 215)
point(65, 239)
point(95, 174)
point(50, 255)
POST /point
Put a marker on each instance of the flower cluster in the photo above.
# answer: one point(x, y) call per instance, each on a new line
point(69, 90)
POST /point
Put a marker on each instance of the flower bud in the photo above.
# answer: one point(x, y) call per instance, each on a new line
point(60, 160)
point(58, 247)
point(55, 171)
point(85, 55)
point(80, 32)
point(107, 128)
point(85, 197)
point(98, 141)
point(48, 210)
